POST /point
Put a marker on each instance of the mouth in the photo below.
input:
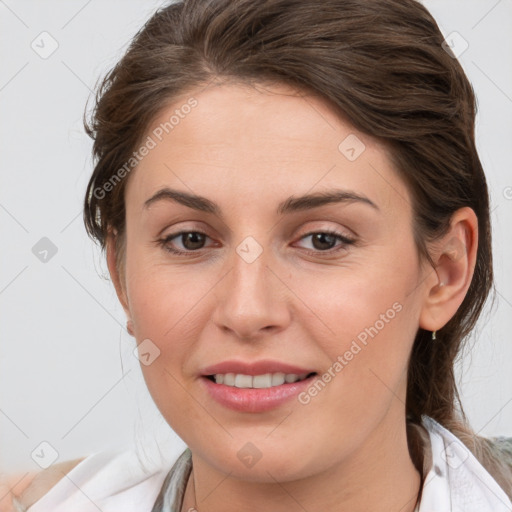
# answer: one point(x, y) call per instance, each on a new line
point(245, 393)
point(255, 386)
point(262, 381)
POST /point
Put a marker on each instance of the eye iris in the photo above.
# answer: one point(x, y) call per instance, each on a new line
point(331, 240)
point(193, 238)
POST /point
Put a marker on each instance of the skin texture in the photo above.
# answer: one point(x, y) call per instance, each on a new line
point(248, 149)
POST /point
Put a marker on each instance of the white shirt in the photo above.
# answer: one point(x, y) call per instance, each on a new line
point(116, 482)
point(457, 482)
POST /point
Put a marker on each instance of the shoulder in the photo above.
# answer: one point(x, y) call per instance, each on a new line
point(26, 488)
point(504, 446)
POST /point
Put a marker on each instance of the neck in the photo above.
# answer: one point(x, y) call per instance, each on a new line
point(379, 476)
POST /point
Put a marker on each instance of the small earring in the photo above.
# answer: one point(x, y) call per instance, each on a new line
point(434, 335)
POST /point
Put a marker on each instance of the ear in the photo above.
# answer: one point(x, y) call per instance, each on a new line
point(116, 277)
point(455, 258)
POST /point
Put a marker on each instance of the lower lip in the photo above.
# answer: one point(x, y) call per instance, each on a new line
point(255, 400)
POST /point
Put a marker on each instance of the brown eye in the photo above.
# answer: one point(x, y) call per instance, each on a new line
point(325, 241)
point(191, 241)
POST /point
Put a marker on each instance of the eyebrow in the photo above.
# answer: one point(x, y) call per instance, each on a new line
point(292, 204)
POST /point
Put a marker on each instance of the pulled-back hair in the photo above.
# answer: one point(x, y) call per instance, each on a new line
point(382, 65)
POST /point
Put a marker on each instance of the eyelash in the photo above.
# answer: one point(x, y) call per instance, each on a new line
point(164, 242)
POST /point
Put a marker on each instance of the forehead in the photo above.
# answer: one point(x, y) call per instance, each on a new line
point(262, 141)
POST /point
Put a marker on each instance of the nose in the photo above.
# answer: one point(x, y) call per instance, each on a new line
point(252, 299)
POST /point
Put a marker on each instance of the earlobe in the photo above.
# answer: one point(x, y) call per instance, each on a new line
point(455, 259)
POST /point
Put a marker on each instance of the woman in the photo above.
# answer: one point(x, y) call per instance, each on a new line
point(296, 222)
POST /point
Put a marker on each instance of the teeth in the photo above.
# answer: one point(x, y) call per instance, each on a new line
point(239, 380)
point(262, 381)
point(243, 381)
point(278, 379)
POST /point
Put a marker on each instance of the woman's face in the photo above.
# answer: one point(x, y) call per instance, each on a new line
point(332, 287)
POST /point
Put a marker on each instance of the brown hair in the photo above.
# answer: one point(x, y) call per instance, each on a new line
point(381, 64)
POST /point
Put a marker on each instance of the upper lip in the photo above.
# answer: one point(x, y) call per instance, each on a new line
point(254, 368)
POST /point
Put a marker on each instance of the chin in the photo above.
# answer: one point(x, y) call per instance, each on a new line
point(267, 465)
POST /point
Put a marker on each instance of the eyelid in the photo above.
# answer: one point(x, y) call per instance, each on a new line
point(346, 241)
point(331, 232)
point(166, 240)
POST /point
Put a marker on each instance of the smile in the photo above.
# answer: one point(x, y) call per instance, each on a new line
point(267, 380)
point(240, 392)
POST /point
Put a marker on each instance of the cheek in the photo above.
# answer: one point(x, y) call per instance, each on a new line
point(364, 323)
point(367, 359)
point(168, 308)
point(364, 303)
point(165, 311)
point(164, 300)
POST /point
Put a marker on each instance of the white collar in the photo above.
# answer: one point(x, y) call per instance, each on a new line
point(457, 482)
